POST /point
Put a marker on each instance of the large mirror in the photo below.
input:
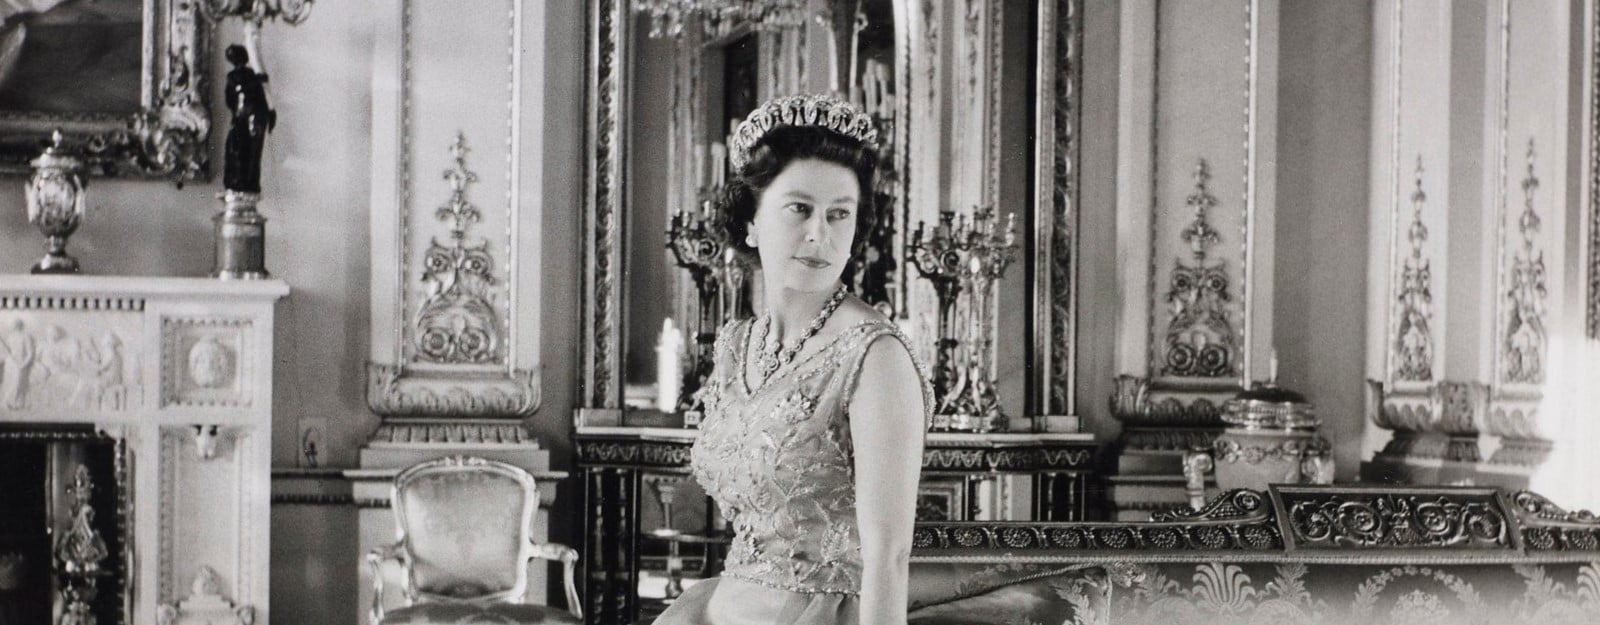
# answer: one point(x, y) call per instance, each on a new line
point(124, 80)
point(949, 88)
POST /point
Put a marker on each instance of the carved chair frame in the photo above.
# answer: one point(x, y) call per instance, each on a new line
point(527, 549)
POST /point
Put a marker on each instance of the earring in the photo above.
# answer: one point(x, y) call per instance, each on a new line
point(750, 239)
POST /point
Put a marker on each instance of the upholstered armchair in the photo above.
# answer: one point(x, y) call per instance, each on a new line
point(464, 546)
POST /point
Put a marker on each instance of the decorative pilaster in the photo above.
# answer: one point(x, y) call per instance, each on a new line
point(455, 331)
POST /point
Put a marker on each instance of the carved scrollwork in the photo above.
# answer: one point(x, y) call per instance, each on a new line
point(1412, 348)
point(1541, 509)
point(604, 206)
point(1351, 520)
point(457, 322)
point(1241, 503)
point(1523, 337)
point(1201, 340)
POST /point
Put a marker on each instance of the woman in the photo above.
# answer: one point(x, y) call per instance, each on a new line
point(816, 411)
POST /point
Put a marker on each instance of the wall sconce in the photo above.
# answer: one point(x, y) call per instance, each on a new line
point(205, 441)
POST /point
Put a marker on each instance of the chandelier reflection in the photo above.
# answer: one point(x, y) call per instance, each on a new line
point(668, 18)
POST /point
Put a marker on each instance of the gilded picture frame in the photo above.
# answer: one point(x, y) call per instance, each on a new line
point(164, 136)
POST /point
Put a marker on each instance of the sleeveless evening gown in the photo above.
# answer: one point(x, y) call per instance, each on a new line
point(778, 460)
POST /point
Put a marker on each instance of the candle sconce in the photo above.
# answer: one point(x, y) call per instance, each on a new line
point(699, 243)
point(965, 257)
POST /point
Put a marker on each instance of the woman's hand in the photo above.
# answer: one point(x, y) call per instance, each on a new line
point(886, 426)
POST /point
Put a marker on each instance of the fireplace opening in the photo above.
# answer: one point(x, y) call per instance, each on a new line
point(63, 525)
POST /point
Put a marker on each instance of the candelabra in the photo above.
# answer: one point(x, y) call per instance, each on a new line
point(699, 243)
point(965, 257)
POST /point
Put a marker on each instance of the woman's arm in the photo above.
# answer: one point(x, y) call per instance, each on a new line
point(886, 426)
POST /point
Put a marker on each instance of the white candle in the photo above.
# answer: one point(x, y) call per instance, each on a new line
point(669, 373)
point(719, 164)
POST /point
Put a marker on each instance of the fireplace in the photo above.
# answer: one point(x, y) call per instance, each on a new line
point(135, 450)
point(63, 535)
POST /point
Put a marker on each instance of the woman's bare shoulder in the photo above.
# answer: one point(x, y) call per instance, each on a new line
point(854, 312)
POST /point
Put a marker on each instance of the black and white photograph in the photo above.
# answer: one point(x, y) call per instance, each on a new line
point(799, 312)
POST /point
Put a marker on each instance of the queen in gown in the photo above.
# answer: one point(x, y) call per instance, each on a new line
point(816, 411)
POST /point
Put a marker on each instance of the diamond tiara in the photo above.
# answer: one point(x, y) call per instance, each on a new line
point(800, 110)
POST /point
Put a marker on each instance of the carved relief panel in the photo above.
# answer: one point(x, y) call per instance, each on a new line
point(86, 362)
point(455, 250)
point(205, 362)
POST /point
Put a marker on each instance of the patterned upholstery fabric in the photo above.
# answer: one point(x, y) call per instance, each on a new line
point(464, 537)
point(466, 614)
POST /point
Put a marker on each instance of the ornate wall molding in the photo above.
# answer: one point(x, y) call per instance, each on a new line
point(1055, 205)
point(455, 294)
point(1523, 336)
point(394, 391)
point(1411, 351)
point(609, 40)
point(1592, 301)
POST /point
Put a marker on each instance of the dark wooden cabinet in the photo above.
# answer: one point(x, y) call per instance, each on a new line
point(1009, 477)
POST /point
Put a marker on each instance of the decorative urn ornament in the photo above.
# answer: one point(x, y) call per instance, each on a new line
point(1271, 438)
point(55, 194)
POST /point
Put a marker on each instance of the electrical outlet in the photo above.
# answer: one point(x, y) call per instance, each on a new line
point(312, 450)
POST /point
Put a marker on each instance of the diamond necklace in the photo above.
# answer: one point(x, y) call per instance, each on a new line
point(768, 359)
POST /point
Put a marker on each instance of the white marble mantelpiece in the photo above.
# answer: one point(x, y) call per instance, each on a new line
point(180, 369)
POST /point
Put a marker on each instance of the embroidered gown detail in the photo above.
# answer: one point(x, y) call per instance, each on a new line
point(777, 458)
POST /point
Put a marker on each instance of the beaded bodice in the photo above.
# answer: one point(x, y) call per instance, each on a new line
point(778, 460)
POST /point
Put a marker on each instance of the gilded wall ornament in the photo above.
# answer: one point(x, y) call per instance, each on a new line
point(1523, 338)
point(1201, 340)
point(1412, 350)
point(457, 322)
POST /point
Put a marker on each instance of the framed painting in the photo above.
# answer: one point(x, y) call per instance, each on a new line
point(124, 80)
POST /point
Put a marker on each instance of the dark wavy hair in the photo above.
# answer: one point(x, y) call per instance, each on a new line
point(772, 154)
